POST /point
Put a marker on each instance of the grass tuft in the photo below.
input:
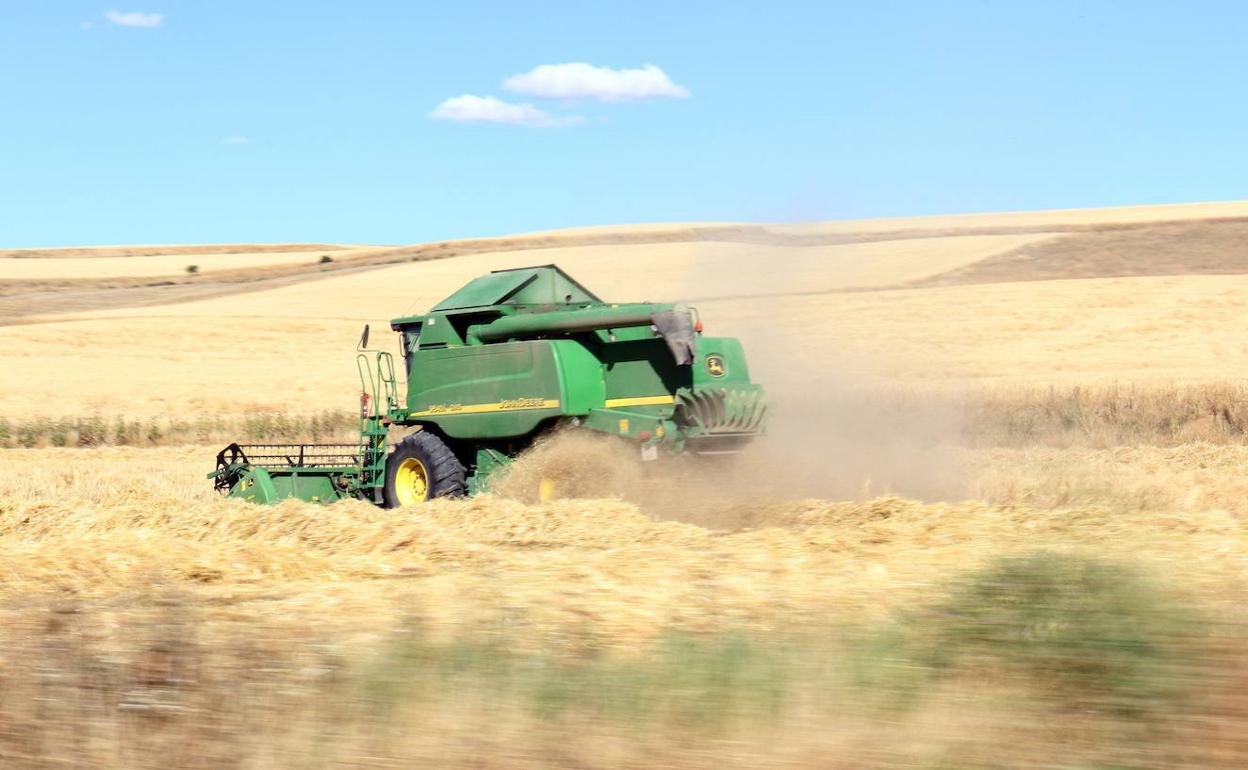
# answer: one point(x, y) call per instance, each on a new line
point(1093, 634)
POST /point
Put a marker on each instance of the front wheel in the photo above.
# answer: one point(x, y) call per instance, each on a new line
point(420, 468)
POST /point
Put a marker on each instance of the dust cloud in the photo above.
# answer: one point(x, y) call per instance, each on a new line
point(832, 432)
point(838, 435)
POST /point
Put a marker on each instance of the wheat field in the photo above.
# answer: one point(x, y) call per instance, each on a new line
point(997, 521)
point(861, 309)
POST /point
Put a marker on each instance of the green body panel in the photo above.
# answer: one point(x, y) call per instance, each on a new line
point(508, 389)
point(527, 286)
point(486, 391)
point(732, 362)
point(580, 376)
point(489, 462)
point(640, 368)
point(263, 485)
point(629, 423)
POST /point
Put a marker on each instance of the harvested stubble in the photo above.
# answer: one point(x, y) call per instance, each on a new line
point(112, 521)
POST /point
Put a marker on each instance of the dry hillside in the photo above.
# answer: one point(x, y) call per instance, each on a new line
point(932, 300)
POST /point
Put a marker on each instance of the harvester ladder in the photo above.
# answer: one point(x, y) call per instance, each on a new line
point(378, 383)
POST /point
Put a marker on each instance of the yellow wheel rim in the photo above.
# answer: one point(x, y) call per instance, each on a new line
point(411, 482)
point(547, 489)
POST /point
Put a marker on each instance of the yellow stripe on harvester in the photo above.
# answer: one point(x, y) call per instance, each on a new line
point(522, 404)
point(640, 401)
point(511, 405)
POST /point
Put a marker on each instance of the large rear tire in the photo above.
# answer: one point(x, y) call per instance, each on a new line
point(420, 468)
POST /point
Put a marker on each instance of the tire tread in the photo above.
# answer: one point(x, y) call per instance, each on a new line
point(447, 477)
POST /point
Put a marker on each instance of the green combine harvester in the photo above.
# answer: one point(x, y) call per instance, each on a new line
point(503, 361)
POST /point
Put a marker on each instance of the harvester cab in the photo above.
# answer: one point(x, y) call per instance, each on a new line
point(502, 361)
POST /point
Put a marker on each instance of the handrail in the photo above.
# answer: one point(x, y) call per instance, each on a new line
point(377, 379)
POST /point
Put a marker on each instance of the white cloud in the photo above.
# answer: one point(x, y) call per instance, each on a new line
point(579, 80)
point(135, 18)
point(237, 140)
point(487, 109)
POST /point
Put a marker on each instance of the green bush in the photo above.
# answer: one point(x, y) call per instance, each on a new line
point(58, 432)
point(1088, 632)
point(27, 435)
point(125, 433)
point(692, 681)
point(92, 431)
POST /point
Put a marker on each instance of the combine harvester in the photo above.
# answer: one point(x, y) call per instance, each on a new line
point(503, 361)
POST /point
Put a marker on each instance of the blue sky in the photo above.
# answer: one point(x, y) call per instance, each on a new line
point(173, 121)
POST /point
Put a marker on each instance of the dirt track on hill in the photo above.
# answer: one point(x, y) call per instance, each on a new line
point(1085, 250)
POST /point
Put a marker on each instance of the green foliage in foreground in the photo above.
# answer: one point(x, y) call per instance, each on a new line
point(684, 680)
point(1054, 631)
point(1041, 661)
point(1090, 634)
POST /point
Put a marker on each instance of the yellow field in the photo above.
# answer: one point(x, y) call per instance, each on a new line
point(997, 520)
point(288, 348)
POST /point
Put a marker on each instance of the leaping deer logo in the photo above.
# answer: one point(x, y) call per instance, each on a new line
point(715, 366)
